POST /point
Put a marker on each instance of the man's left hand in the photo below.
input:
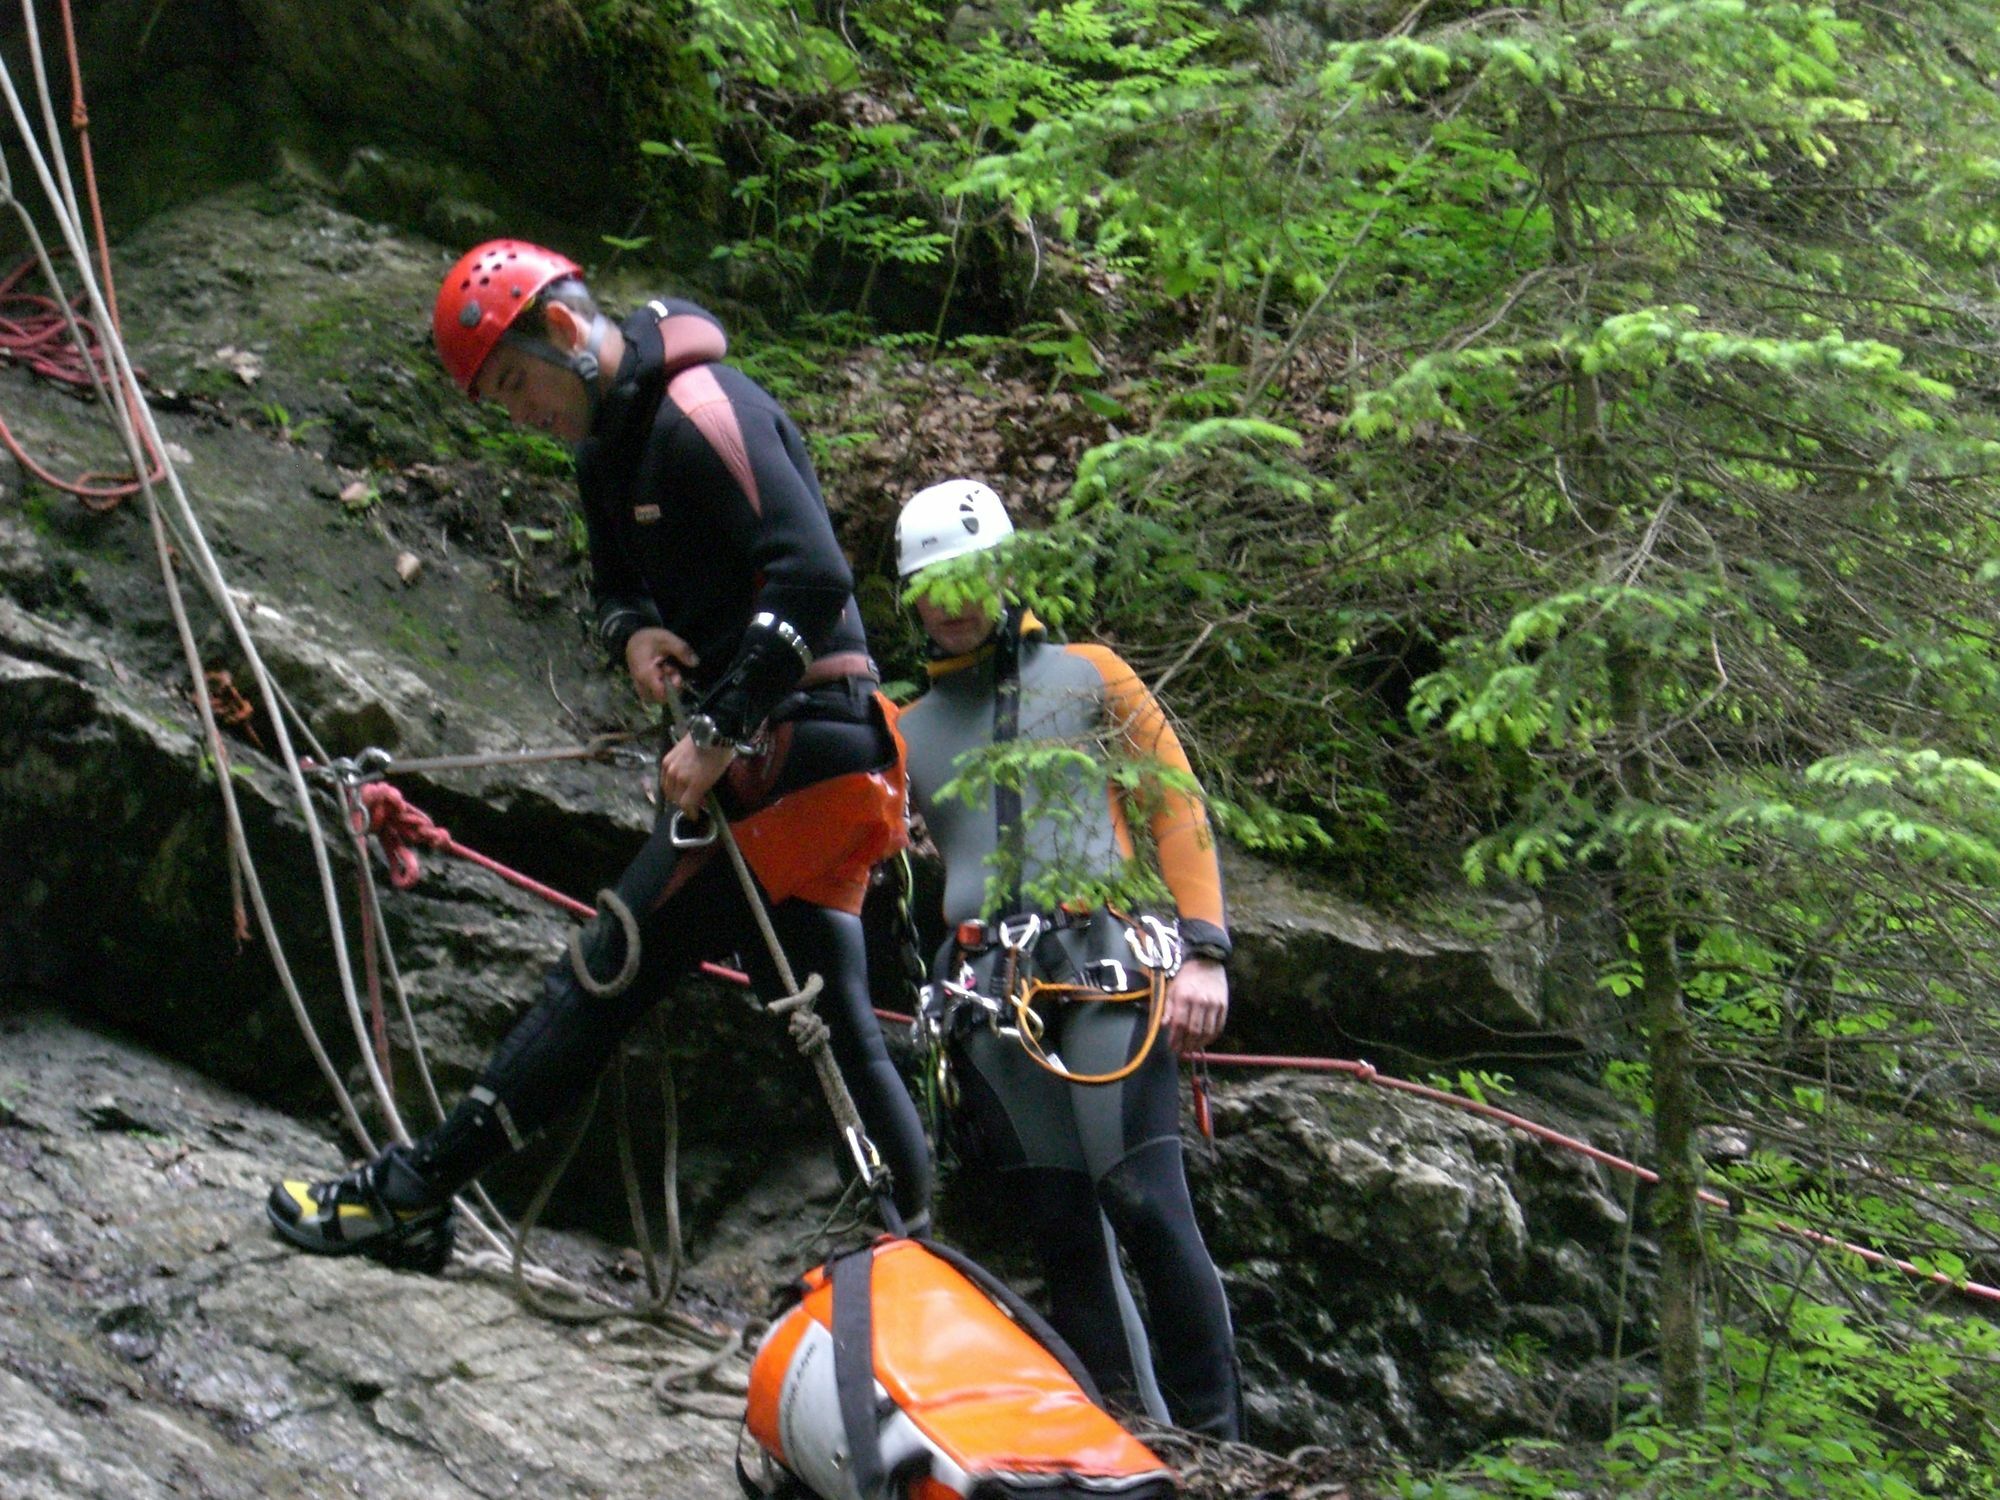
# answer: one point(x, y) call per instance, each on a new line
point(1197, 1005)
point(689, 773)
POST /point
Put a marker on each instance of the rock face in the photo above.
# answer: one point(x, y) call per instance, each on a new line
point(1401, 1276)
point(155, 1340)
point(1324, 970)
point(440, 115)
point(1407, 1277)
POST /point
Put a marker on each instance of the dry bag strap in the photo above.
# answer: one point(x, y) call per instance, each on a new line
point(852, 1276)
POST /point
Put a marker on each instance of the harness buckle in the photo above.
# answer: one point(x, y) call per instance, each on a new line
point(1107, 974)
point(1017, 933)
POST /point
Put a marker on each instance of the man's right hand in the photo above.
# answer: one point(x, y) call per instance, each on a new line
point(655, 657)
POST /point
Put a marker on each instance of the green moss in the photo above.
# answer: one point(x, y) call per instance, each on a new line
point(38, 508)
point(416, 638)
point(168, 884)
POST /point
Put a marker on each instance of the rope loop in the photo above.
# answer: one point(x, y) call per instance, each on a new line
point(608, 902)
point(808, 992)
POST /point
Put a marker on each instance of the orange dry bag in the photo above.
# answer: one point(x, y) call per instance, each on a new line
point(906, 1372)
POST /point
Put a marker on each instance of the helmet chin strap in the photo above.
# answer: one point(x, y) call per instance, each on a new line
point(585, 363)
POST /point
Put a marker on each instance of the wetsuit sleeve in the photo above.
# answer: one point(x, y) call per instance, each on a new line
point(1178, 821)
point(624, 607)
point(745, 468)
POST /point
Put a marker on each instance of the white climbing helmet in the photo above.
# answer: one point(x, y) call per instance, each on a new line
point(948, 520)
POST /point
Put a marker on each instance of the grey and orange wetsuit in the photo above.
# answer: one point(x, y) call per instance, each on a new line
point(705, 517)
point(1077, 1163)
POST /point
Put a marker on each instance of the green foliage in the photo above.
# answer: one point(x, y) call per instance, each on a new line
point(526, 449)
point(1560, 451)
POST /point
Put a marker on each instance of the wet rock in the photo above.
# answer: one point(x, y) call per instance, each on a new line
point(1382, 1253)
point(1327, 969)
point(401, 190)
point(155, 1340)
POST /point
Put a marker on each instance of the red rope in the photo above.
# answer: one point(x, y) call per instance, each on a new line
point(402, 829)
point(399, 826)
point(370, 960)
point(34, 331)
point(1367, 1074)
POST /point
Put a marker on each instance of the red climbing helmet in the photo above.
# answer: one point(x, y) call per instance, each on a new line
point(482, 296)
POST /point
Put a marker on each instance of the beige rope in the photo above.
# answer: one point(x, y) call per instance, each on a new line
point(809, 1033)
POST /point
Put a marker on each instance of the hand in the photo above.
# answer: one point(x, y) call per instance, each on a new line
point(1197, 1005)
point(655, 656)
point(689, 773)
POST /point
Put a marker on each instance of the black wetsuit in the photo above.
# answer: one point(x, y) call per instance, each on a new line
point(705, 517)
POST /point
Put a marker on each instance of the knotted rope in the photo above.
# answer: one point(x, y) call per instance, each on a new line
point(809, 1032)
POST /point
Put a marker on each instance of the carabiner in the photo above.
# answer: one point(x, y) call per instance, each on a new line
point(866, 1158)
point(682, 840)
point(1161, 950)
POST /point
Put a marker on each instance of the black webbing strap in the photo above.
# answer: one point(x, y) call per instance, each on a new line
point(853, 1277)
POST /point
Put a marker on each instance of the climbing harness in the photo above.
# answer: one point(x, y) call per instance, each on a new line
point(1006, 969)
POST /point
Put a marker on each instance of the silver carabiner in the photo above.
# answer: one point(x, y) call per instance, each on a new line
point(1161, 950)
point(682, 840)
point(373, 763)
point(866, 1158)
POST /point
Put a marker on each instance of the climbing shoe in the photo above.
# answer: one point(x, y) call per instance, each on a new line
point(349, 1215)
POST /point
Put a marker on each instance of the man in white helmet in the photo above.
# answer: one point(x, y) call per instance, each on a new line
point(1077, 1162)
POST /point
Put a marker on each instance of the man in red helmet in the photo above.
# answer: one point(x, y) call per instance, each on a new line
point(714, 566)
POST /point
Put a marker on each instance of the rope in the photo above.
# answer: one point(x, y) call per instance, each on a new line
point(808, 1032)
point(1368, 1073)
point(402, 828)
point(1028, 1025)
point(140, 434)
point(609, 901)
point(373, 764)
point(84, 361)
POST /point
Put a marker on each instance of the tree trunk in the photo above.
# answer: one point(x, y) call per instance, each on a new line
point(1647, 907)
point(1677, 1206)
